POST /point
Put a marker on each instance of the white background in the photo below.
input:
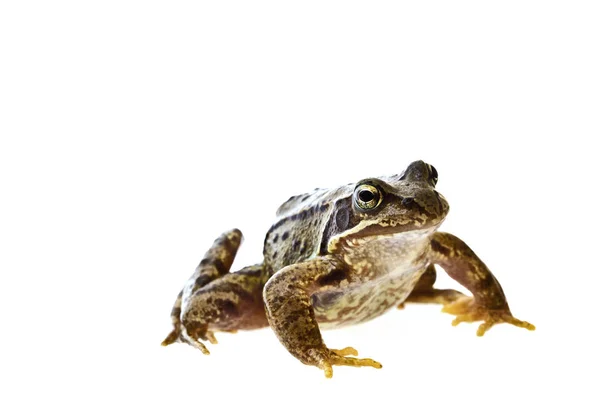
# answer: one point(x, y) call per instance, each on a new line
point(133, 133)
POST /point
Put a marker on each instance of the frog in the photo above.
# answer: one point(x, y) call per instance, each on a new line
point(339, 257)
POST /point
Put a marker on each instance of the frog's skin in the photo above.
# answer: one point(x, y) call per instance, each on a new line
point(340, 257)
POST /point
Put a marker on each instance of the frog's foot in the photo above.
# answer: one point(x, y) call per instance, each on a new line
point(339, 357)
point(467, 310)
point(435, 296)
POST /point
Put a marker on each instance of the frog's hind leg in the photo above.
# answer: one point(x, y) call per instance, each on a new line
point(216, 262)
point(424, 292)
point(232, 302)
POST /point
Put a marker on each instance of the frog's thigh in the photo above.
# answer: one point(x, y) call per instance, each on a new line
point(232, 302)
point(424, 291)
point(287, 297)
point(215, 263)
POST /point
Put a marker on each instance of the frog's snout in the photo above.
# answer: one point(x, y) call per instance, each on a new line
point(420, 171)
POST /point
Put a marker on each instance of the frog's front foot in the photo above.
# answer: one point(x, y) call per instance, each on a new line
point(340, 357)
point(467, 310)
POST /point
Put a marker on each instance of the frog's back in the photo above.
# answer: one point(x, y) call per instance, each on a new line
point(298, 231)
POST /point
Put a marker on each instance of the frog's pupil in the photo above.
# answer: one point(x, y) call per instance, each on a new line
point(366, 196)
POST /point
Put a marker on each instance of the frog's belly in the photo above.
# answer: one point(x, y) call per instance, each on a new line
point(364, 301)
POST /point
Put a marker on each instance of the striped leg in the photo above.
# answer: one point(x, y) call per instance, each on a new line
point(216, 263)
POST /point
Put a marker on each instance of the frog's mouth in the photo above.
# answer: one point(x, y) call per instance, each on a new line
point(392, 227)
point(367, 231)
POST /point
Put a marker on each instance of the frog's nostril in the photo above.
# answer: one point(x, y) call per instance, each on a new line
point(407, 201)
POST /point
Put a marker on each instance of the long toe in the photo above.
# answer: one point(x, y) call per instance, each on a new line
point(171, 338)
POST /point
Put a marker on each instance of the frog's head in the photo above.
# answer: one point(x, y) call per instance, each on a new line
point(401, 203)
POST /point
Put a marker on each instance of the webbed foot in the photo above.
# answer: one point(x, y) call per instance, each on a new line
point(467, 310)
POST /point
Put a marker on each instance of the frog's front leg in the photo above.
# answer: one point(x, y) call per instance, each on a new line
point(287, 297)
point(488, 303)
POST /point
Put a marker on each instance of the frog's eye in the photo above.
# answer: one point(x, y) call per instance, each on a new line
point(367, 197)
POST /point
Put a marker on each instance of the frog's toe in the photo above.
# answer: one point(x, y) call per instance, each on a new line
point(340, 357)
point(354, 362)
point(171, 337)
point(498, 317)
point(346, 351)
point(210, 336)
point(522, 324)
point(199, 345)
point(327, 369)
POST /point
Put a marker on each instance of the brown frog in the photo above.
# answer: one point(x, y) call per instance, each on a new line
point(339, 257)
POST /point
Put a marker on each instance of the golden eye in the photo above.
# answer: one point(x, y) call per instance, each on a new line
point(367, 197)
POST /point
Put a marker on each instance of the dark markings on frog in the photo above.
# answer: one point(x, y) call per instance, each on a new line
point(203, 280)
point(343, 219)
point(236, 289)
point(437, 247)
point(227, 307)
point(217, 263)
point(332, 278)
point(252, 271)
